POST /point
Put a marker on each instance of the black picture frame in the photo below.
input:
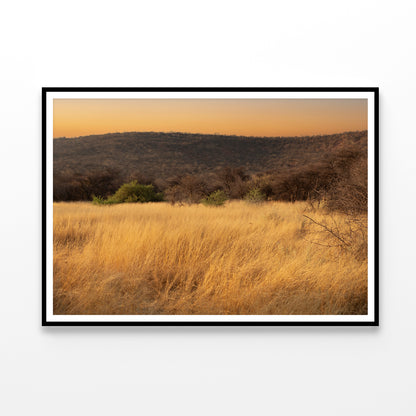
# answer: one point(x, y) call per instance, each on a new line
point(46, 322)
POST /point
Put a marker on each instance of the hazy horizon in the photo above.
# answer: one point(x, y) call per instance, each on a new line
point(205, 134)
point(241, 117)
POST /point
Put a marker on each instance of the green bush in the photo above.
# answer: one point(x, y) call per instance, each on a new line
point(131, 192)
point(216, 198)
point(255, 196)
point(98, 200)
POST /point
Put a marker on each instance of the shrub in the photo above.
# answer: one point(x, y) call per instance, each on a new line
point(233, 181)
point(187, 189)
point(349, 193)
point(216, 198)
point(75, 186)
point(131, 192)
point(98, 200)
point(263, 182)
point(303, 183)
point(255, 196)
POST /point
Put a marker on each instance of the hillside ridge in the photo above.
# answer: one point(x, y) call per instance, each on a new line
point(163, 155)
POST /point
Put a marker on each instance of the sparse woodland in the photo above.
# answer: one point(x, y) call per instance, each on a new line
point(190, 166)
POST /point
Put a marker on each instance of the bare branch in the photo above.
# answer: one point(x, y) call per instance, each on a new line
point(328, 229)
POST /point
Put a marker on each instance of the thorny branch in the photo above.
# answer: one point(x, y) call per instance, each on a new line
point(330, 230)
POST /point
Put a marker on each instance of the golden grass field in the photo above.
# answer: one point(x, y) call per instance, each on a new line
point(243, 258)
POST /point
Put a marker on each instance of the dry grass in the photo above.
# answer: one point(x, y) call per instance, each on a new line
point(239, 259)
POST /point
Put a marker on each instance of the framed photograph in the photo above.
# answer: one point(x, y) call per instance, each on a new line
point(210, 206)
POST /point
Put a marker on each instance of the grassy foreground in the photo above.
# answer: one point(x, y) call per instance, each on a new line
point(239, 259)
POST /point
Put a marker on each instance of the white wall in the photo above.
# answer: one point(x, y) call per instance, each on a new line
point(204, 371)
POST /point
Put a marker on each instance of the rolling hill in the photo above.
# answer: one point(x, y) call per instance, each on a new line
point(163, 155)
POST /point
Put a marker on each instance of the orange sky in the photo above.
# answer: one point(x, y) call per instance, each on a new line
point(251, 117)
